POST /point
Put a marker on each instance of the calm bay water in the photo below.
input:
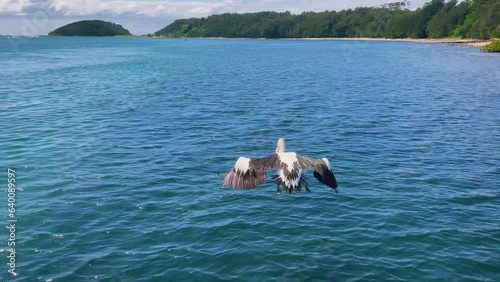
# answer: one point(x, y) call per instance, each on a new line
point(117, 144)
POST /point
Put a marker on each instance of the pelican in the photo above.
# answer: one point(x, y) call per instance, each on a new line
point(250, 173)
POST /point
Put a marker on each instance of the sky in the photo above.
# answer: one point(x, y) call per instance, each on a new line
point(39, 17)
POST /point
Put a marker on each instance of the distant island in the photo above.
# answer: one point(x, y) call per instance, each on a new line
point(479, 19)
point(90, 28)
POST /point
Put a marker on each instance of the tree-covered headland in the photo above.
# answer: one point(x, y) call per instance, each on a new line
point(436, 19)
point(492, 47)
point(90, 28)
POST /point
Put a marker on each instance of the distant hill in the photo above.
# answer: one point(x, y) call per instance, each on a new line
point(90, 28)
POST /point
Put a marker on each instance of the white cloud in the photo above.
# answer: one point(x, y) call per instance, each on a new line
point(142, 8)
point(146, 14)
point(14, 7)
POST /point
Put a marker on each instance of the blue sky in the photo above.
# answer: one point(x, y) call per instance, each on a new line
point(38, 17)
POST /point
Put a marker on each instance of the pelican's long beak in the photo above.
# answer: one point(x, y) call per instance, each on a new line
point(276, 150)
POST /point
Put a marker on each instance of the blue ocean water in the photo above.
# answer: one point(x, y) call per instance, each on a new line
point(117, 144)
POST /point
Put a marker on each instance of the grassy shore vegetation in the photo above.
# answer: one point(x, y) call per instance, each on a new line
point(90, 28)
point(436, 19)
point(492, 47)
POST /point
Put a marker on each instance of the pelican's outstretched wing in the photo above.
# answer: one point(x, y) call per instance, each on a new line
point(249, 173)
point(321, 170)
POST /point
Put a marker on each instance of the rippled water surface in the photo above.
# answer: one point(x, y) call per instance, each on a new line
point(117, 145)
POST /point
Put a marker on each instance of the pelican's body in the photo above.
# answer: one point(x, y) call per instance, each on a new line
point(249, 173)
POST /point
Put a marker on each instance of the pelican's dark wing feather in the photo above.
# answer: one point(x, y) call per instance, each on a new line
point(249, 173)
point(321, 170)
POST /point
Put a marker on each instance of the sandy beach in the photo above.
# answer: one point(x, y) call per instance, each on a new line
point(467, 42)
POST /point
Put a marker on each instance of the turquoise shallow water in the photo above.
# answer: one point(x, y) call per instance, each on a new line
point(117, 144)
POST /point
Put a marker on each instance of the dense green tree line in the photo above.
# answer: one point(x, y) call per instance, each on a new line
point(436, 19)
point(90, 28)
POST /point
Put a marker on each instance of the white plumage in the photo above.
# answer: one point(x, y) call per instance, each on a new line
point(326, 162)
point(290, 161)
point(242, 164)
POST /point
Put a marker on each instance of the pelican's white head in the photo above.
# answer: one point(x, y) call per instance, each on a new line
point(281, 146)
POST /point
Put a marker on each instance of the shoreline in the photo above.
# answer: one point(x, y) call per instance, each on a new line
point(467, 42)
point(456, 41)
